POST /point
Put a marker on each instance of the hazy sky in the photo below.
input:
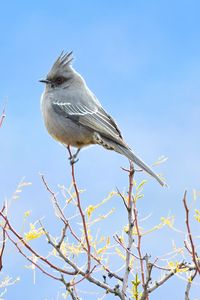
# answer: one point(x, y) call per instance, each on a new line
point(141, 59)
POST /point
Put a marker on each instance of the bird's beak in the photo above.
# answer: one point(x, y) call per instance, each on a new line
point(45, 81)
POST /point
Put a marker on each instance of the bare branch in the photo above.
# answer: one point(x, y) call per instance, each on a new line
point(61, 215)
point(67, 224)
point(167, 276)
point(123, 198)
point(193, 252)
point(69, 289)
point(62, 236)
point(139, 237)
point(149, 267)
point(3, 242)
point(162, 281)
point(46, 261)
point(130, 231)
point(2, 117)
point(30, 260)
point(81, 212)
point(78, 271)
point(189, 284)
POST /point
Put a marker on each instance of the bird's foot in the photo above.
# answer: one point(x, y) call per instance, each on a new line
point(73, 159)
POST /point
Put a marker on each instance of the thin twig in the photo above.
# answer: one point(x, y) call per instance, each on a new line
point(193, 252)
point(67, 225)
point(2, 117)
point(4, 240)
point(79, 271)
point(69, 289)
point(61, 215)
point(167, 276)
point(130, 231)
point(139, 237)
point(81, 213)
point(46, 261)
point(30, 260)
point(62, 236)
point(123, 198)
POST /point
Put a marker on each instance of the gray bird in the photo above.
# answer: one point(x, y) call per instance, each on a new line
point(74, 116)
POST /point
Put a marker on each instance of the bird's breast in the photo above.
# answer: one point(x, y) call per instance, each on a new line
point(64, 129)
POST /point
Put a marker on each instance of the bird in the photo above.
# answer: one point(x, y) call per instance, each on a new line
point(74, 116)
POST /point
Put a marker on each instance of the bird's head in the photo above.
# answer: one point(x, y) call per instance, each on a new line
point(61, 74)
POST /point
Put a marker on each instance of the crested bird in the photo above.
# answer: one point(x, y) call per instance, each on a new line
point(74, 116)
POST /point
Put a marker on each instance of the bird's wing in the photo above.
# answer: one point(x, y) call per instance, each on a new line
point(94, 118)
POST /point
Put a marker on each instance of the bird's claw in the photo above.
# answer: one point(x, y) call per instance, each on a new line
point(73, 160)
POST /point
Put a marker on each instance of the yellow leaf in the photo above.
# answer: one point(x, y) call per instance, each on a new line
point(90, 210)
point(99, 251)
point(169, 221)
point(33, 233)
point(197, 215)
point(27, 213)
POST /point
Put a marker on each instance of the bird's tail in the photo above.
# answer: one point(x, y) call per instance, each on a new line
point(131, 156)
point(124, 150)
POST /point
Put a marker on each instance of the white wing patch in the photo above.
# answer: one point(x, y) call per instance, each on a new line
point(75, 109)
point(96, 118)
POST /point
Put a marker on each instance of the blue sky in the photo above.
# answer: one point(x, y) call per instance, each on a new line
point(141, 59)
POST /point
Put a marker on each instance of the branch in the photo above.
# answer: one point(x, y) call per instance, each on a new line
point(189, 284)
point(78, 271)
point(47, 262)
point(149, 267)
point(2, 117)
point(30, 260)
point(61, 215)
point(129, 207)
point(139, 237)
point(169, 275)
point(69, 289)
point(81, 213)
point(193, 252)
point(123, 198)
point(110, 273)
point(67, 225)
point(4, 241)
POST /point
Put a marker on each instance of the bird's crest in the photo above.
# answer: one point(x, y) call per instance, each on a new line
point(62, 62)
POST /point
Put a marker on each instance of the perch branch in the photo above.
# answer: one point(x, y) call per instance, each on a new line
point(81, 213)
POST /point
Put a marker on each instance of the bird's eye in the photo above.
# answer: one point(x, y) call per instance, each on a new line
point(59, 80)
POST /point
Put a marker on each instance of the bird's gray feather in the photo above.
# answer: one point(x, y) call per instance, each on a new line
point(96, 119)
